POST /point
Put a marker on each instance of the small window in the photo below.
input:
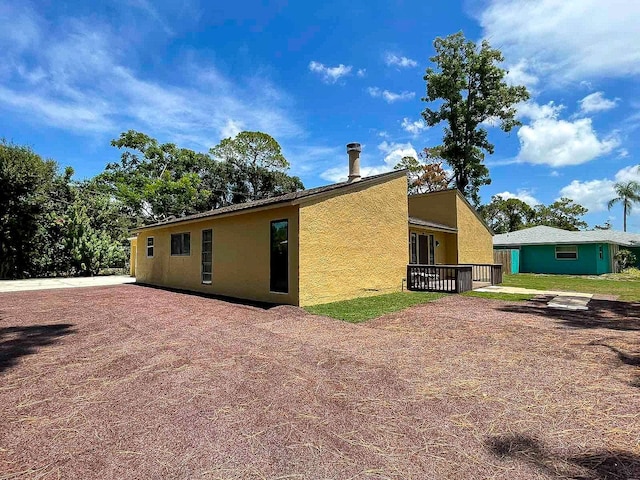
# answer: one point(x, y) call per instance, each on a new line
point(566, 252)
point(181, 244)
point(150, 245)
point(207, 256)
point(601, 253)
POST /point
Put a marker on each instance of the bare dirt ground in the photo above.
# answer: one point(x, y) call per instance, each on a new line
point(135, 382)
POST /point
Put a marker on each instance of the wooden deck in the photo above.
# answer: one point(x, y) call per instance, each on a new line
point(452, 278)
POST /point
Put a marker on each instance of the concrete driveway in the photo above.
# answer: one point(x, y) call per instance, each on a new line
point(50, 283)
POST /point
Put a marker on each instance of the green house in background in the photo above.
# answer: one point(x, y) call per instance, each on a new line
point(553, 250)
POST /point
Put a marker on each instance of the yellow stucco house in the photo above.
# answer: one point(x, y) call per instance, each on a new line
point(319, 245)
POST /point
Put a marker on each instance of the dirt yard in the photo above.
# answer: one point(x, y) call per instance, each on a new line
point(134, 382)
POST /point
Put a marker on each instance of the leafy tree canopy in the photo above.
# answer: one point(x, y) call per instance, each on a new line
point(424, 176)
point(45, 222)
point(563, 213)
point(509, 215)
point(256, 166)
point(159, 181)
point(469, 86)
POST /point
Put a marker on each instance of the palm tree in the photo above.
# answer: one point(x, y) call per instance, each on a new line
point(628, 194)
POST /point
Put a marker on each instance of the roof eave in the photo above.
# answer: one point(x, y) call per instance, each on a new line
point(281, 203)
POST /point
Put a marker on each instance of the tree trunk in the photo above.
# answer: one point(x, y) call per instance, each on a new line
point(625, 216)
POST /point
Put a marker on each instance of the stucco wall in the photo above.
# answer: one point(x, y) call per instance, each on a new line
point(475, 242)
point(541, 259)
point(438, 207)
point(354, 244)
point(133, 252)
point(241, 256)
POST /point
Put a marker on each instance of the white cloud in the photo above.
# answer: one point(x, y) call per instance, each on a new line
point(330, 74)
point(390, 97)
point(231, 128)
point(414, 128)
point(594, 194)
point(548, 140)
point(362, 72)
point(535, 111)
point(391, 153)
point(523, 194)
point(595, 102)
point(630, 173)
point(399, 61)
point(394, 152)
point(567, 41)
point(20, 27)
point(77, 80)
point(520, 74)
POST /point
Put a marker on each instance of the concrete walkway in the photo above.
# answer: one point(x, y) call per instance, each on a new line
point(516, 290)
point(50, 283)
point(561, 300)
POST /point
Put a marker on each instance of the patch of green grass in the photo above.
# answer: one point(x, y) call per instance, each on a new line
point(366, 308)
point(510, 297)
point(627, 288)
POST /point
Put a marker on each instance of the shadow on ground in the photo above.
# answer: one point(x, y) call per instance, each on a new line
point(222, 298)
point(16, 342)
point(624, 357)
point(594, 465)
point(609, 314)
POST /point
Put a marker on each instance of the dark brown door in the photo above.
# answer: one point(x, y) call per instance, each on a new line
point(423, 249)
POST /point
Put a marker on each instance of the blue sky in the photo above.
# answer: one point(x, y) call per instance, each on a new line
point(317, 75)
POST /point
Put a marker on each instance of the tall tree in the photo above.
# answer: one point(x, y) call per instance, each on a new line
point(47, 226)
point(563, 213)
point(470, 84)
point(257, 166)
point(627, 193)
point(507, 215)
point(157, 181)
point(27, 183)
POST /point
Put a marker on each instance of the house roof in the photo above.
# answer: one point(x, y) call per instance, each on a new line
point(436, 226)
point(287, 198)
point(548, 235)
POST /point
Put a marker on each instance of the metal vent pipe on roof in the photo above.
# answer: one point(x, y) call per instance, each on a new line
point(353, 150)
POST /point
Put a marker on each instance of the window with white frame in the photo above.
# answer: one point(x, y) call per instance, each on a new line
point(150, 247)
point(181, 244)
point(566, 252)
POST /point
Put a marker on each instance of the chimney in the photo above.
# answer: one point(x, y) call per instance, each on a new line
point(354, 149)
